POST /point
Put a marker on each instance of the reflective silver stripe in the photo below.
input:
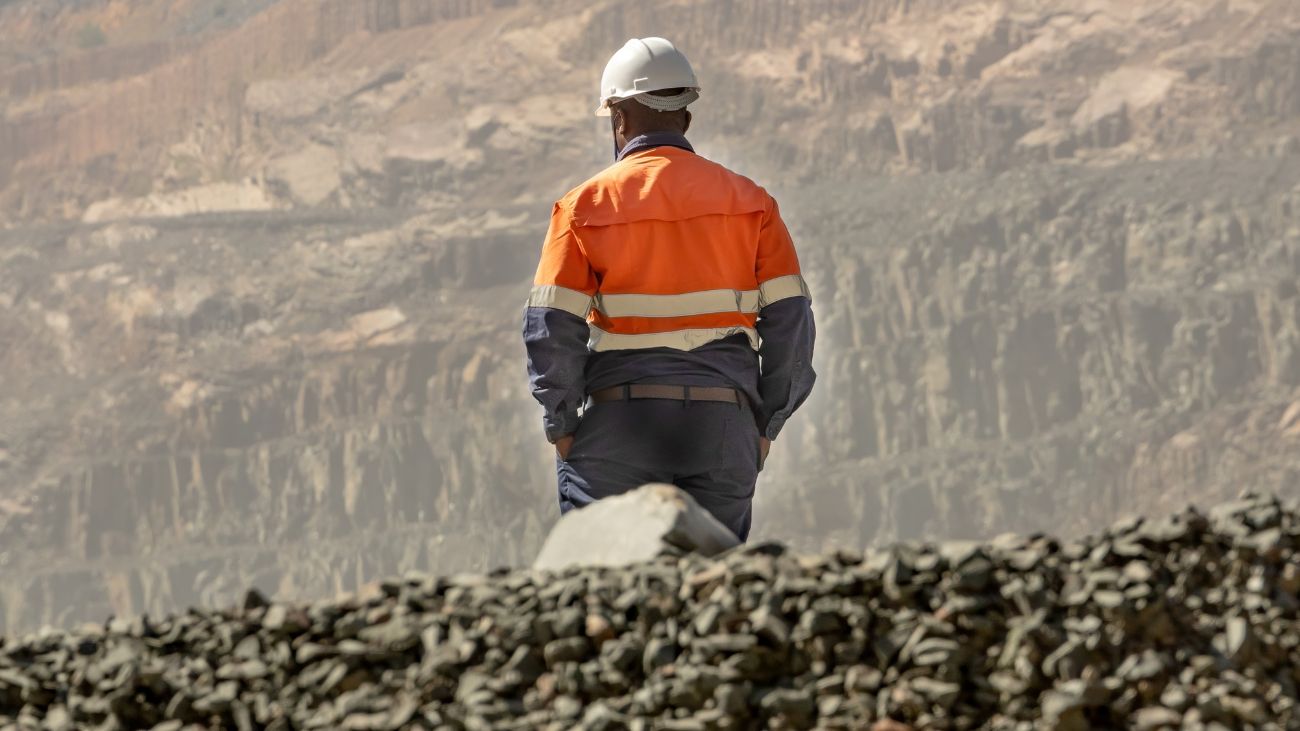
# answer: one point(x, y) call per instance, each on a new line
point(679, 339)
point(775, 290)
point(560, 298)
point(704, 302)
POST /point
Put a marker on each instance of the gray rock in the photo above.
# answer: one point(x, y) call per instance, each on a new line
point(658, 653)
point(1154, 718)
point(275, 617)
point(939, 693)
point(1237, 640)
point(796, 706)
point(726, 643)
point(1144, 666)
point(770, 628)
point(218, 700)
point(814, 623)
point(398, 634)
point(633, 527)
point(254, 599)
point(1063, 706)
point(569, 649)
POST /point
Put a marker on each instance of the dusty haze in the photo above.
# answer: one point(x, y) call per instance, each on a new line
point(262, 267)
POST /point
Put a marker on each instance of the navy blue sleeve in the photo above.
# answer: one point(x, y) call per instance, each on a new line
point(557, 357)
point(786, 333)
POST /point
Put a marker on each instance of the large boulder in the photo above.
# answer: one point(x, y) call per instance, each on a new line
point(635, 526)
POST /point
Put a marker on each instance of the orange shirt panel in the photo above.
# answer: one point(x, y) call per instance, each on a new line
point(665, 184)
point(666, 222)
point(776, 255)
point(672, 257)
point(563, 262)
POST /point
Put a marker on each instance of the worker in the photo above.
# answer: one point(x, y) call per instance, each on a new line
point(668, 308)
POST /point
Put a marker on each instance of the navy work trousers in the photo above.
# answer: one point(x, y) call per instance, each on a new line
point(707, 448)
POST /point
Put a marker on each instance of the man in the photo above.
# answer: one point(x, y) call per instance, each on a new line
point(670, 303)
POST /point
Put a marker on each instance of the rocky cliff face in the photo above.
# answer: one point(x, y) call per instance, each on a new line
point(1069, 346)
point(310, 445)
point(260, 273)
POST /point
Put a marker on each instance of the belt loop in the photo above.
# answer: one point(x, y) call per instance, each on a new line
point(627, 392)
point(686, 396)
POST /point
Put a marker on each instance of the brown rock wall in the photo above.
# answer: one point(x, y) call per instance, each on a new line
point(831, 87)
point(171, 90)
point(1065, 348)
point(335, 479)
point(88, 67)
point(1021, 328)
point(1071, 352)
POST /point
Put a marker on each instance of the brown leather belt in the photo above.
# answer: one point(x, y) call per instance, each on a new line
point(672, 393)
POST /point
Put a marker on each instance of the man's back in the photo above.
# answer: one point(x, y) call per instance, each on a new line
point(677, 246)
point(669, 332)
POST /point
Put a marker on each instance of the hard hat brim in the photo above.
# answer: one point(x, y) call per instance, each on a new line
point(603, 109)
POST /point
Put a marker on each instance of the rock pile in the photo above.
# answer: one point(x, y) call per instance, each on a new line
point(1187, 622)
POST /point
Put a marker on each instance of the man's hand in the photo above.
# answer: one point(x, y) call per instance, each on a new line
point(764, 446)
point(563, 445)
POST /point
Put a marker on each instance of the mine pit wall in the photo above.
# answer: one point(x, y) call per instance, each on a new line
point(1070, 348)
point(1065, 348)
point(1036, 350)
point(147, 97)
point(312, 476)
point(158, 90)
point(87, 67)
point(307, 485)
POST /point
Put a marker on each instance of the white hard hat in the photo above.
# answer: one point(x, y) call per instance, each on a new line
point(643, 65)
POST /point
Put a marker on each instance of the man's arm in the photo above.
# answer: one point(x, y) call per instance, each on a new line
point(785, 354)
point(557, 344)
point(555, 327)
point(785, 327)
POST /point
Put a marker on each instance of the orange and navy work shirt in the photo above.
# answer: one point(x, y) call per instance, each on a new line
point(670, 261)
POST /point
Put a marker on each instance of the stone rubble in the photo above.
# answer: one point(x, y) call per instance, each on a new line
point(1192, 621)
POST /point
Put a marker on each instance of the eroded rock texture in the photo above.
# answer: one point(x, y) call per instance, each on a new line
point(261, 268)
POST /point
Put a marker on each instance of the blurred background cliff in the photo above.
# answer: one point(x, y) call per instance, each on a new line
point(262, 266)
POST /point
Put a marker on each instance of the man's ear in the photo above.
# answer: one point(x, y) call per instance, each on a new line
point(688, 122)
point(619, 120)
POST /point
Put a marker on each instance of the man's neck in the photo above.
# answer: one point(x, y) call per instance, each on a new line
point(643, 132)
point(656, 138)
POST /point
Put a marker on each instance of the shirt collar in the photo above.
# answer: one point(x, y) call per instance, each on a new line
point(646, 141)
